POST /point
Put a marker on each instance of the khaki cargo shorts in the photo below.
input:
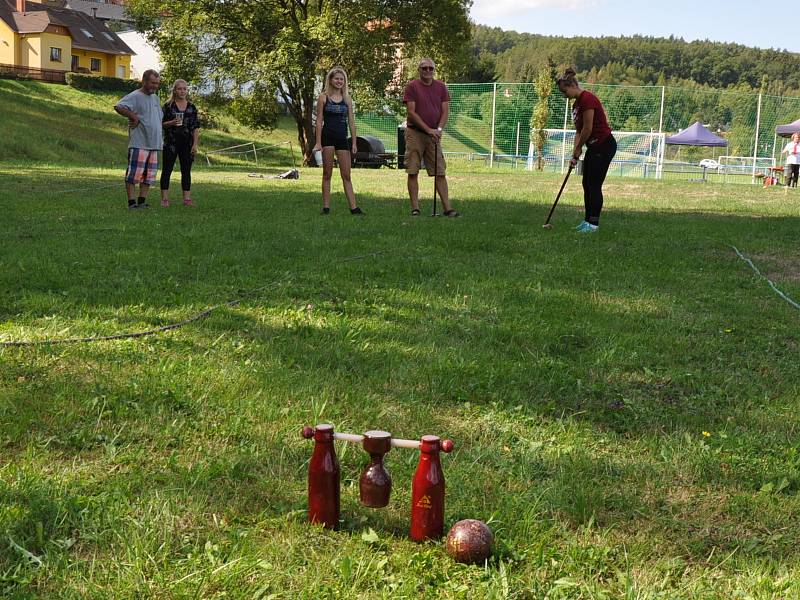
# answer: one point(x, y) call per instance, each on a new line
point(419, 147)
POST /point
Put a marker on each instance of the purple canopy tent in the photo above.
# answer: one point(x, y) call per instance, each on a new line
point(696, 135)
point(788, 130)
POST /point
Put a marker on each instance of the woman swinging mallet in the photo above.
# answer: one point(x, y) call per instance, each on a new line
point(592, 129)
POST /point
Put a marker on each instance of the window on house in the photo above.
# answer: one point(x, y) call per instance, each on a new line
point(86, 33)
point(95, 64)
point(55, 54)
point(108, 36)
point(74, 63)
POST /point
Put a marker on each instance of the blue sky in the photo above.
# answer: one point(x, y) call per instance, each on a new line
point(760, 24)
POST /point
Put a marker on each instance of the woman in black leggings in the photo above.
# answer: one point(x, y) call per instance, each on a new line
point(592, 129)
point(181, 134)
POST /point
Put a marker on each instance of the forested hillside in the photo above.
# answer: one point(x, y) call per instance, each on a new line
point(510, 56)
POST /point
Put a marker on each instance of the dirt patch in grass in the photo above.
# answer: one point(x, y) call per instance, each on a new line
point(778, 267)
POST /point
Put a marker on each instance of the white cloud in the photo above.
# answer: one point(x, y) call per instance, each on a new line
point(488, 10)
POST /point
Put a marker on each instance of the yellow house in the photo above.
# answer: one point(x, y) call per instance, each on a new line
point(36, 37)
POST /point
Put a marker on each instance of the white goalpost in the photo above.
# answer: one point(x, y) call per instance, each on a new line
point(638, 152)
point(242, 154)
point(745, 165)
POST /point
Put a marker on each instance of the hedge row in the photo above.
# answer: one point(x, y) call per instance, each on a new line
point(106, 84)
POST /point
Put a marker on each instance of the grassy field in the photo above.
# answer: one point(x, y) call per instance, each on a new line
point(624, 405)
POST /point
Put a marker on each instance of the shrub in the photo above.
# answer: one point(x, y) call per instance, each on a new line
point(106, 84)
point(207, 119)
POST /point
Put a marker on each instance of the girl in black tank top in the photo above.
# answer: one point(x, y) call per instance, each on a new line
point(335, 117)
point(334, 114)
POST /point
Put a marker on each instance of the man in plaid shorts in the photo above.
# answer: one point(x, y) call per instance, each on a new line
point(144, 114)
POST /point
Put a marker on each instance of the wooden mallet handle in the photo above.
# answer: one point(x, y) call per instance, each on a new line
point(547, 224)
point(308, 433)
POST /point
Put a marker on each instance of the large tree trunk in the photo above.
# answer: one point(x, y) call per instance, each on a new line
point(299, 96)
point(302, 139)
point(300, 100)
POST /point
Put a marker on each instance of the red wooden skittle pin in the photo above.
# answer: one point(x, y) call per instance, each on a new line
point(323, 478)
point(427, 491)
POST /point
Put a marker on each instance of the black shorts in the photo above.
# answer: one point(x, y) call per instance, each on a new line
point(339, 143)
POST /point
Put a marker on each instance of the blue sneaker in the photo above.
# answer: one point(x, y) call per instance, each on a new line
point(583, 225)
point(587, 227)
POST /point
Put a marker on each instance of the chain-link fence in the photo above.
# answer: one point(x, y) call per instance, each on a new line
point(490, 126)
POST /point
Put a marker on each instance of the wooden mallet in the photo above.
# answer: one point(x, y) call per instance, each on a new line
point(547, 223)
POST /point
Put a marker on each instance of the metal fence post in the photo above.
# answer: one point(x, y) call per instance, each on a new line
point(660, 150)
point(564, 135)
point(494, 115)
point(755, 144)
point(774, 144)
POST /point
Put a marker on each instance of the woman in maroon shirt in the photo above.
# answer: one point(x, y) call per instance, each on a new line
point(591, 128)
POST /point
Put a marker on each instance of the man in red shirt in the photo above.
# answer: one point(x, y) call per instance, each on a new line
point(428, 104)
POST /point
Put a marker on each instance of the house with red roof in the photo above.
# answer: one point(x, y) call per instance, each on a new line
point(46, 42)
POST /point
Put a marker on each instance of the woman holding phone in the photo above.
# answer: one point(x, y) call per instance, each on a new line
point(181, 134)
point(334, 114)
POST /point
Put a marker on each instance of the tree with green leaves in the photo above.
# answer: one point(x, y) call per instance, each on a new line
point(278, 50)
point(541, 111)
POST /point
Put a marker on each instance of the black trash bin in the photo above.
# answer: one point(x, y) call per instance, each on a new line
point(401, 145)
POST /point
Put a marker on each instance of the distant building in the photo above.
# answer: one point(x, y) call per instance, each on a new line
point(146, 55)
point(45, 42)
point(105, 10)
point(114, 13)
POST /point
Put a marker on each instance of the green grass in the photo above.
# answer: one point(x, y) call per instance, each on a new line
point(577, 376)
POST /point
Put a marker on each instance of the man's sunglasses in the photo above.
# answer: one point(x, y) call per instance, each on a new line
point(427, 68)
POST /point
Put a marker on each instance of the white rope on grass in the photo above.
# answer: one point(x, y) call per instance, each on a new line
point(230, 148)
point(230, 152)
point(268, 146)
point(769, 281)
point(253, 149)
